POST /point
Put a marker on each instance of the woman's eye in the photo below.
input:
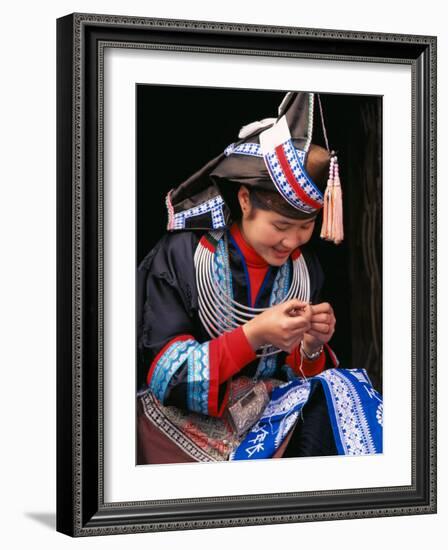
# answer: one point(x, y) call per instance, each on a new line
point(279, 228)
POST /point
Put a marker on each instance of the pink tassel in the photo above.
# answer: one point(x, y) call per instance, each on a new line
point(337, 230)
point(170, 209)
point(332, 222)
point(326, 222)
point(327, 212)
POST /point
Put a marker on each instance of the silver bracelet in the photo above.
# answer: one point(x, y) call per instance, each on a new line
point(311, 356)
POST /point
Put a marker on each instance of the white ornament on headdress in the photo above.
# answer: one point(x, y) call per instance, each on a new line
point(310, 121)
point(283, 103)
point(272, 137)
point(252, 127)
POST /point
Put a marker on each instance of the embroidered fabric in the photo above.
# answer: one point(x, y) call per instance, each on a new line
point(214, 207)
point(355, 409)
point(302, 184)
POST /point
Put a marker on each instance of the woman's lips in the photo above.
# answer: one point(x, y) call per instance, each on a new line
point(281, 253)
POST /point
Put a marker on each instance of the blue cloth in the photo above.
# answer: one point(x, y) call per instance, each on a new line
point(354, 407)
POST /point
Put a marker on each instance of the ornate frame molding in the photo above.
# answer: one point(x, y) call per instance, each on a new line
point(82, 39)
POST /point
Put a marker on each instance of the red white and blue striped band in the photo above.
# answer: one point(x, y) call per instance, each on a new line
point(286, 166)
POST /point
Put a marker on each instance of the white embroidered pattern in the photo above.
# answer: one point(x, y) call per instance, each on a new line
point(353, 427)
point(213, 206)
point(285, 426)
point(282, 184)
point(379, 414)
point(296, 395)
point(360, 375)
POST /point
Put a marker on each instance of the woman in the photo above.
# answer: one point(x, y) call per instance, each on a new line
point(232, 334)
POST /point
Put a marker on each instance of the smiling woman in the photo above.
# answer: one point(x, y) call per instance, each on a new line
point(233, 334)
point(270, 232)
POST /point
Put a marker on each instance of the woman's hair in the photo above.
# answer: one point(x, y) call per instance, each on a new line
point(260, 199)
point(272, 201)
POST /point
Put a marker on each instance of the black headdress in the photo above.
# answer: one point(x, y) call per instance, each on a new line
point(274, 154)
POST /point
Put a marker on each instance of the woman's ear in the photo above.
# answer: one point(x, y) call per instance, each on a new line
point(244, 200)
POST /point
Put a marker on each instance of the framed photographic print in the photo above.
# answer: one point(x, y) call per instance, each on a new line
point(246, 274)
point(192, 432)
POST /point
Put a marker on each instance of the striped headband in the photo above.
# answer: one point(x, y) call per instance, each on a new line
point(286, 166)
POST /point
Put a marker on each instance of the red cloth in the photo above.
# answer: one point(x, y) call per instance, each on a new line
point(232, 351)
point(257, 267)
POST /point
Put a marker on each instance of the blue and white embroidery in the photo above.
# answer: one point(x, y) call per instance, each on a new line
point(213, 206)
point(283, 186)
point(250, 149)
point(355, 415)
point(352, 431)
point(361, 376)
point(281, 284)
point(379, 414)
point(290, 409)
point(267, 365)
point(256, 443)
point(223, 276)
point(285, 426)
point(167, 366)
point(296, 159)
point(277, 420)
point(291, 396)
point(198, 372)
point(198, 379)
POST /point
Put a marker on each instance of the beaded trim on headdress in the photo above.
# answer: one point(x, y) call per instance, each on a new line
point(218, 311)
point(290, 179)
point(214, 206)
point(288, 174)
point(285, 167)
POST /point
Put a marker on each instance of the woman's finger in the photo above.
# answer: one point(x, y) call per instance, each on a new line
point(324, 307)
point(323, 328)
point(294, 307)
point(321, 336)
point(322, 318)
point(297, 323)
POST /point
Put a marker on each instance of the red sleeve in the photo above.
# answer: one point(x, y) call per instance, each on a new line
point(304, 367)
point(231, 352)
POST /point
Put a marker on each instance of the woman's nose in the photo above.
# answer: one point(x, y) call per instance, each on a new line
point(292, 241)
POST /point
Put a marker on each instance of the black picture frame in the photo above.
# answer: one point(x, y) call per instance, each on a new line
point(81, 509)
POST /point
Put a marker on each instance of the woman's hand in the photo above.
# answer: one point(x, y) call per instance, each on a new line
point(282, 326)
point(323, 323)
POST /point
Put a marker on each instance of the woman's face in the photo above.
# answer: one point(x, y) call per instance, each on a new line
point(273, 236)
